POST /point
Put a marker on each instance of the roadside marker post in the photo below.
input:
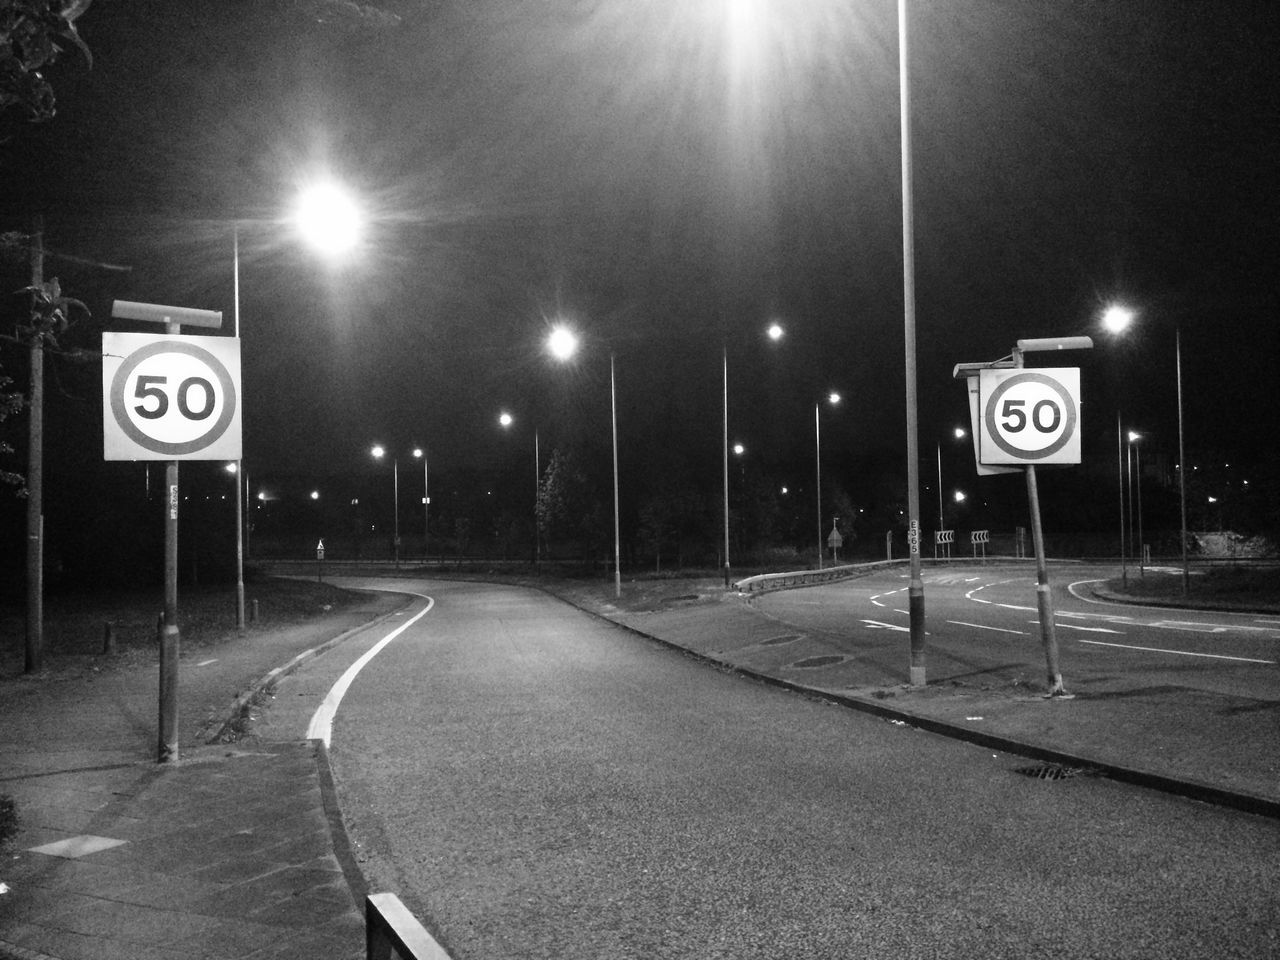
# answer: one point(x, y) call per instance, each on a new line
point(170, 398)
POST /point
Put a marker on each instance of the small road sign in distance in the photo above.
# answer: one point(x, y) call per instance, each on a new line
point(170, 397)
point(1030, 416)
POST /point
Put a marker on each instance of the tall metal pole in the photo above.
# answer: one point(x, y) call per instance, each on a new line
point(169, 635)
point(915, 587)
point(1142, 550)
point(617, 540)
point(537, 482)
point(426, 504)
point(395, 509)
point(817, 446)
point(1124, 567)
point(1182, 464)
point(941, 522)
point(235, 273)
point(725, 439)
point(1128, 483)
point(34, 658)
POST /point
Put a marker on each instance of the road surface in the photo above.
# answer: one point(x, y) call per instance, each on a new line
point(534, 782)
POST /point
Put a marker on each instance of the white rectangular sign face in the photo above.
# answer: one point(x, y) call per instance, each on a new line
point(1029, 416)
point(170, 397)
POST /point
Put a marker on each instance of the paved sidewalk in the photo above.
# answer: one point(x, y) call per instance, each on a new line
point(226, 854)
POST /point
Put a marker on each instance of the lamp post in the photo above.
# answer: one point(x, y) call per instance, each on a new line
point(915, 583)
point(420, 453)
point(378, 452)
point(833, 398)
point(563, 344)
point(505, 420)
point(1116, 319)
point(774, 332)
point(1134, 437)
point(959, 434)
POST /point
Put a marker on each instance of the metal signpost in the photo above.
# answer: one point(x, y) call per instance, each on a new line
point(170, 397)
point(1029, 417)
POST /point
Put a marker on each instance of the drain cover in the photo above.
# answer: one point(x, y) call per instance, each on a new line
point(1050, 771)
point(817, 662)
point(774, 641)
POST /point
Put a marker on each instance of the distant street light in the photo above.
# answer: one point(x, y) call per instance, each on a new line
point(563, 344)
point(420, 453)
point(959, 433)
point(1133, 439)
point(1116, 319)
point(833, 398)
point(775, 333)
point(506, 420)
point(378, 452)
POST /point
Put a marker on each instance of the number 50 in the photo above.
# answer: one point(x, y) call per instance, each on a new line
point(149, 388)
point(1016, 418)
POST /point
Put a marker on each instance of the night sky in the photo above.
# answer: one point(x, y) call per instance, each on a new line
point(670, 177)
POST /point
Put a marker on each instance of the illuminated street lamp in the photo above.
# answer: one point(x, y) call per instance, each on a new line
point(420, 453)
point(959, 434)
point(775, 333)
point(1133, 438)
point(833, 398)
point(505, 420)
point(328, 218)
point(378, 452)
point(563, 344)
point(1116, 319)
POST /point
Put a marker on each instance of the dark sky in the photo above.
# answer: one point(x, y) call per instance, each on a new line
point(671, 176)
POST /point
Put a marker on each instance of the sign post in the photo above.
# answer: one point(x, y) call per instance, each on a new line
point(1029, 417)
point(170, 398)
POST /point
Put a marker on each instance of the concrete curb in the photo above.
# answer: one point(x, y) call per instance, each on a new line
point(1191, 789)
point(240, 703)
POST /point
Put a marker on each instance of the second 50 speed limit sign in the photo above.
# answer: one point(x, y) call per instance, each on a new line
point(170, 397)
point(1029, 416)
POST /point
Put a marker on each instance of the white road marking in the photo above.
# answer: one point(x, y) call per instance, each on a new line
point(321, 726)
point(1076, 626)
point(983, 626)
point(205, 663)
point(886, 626)
point(1180, 653)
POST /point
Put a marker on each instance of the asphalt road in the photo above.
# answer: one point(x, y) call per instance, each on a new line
point(534, 782)
point(983, 619)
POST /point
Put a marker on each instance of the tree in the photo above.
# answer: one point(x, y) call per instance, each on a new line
point(33, 33)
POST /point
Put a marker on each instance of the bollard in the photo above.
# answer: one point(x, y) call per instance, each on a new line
point(108, 637)
point(253, 611)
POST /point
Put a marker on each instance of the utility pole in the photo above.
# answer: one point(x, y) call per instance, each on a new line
point(35, 467)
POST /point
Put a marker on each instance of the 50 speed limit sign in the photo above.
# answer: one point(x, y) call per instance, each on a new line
point(170, 397)
point(1029, 416)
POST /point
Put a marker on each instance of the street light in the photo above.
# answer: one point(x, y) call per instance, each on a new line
point(1134, 437)
point(563, 344)
point(420, 453)
point(833, 398)
point(915, 583)
point(328, 217)
point(505, 420)
point(959, 434)
point(1116, 319)
point(378, 452)
point(774, 332)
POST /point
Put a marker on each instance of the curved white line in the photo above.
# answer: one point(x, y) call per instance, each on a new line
point(321, 726)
